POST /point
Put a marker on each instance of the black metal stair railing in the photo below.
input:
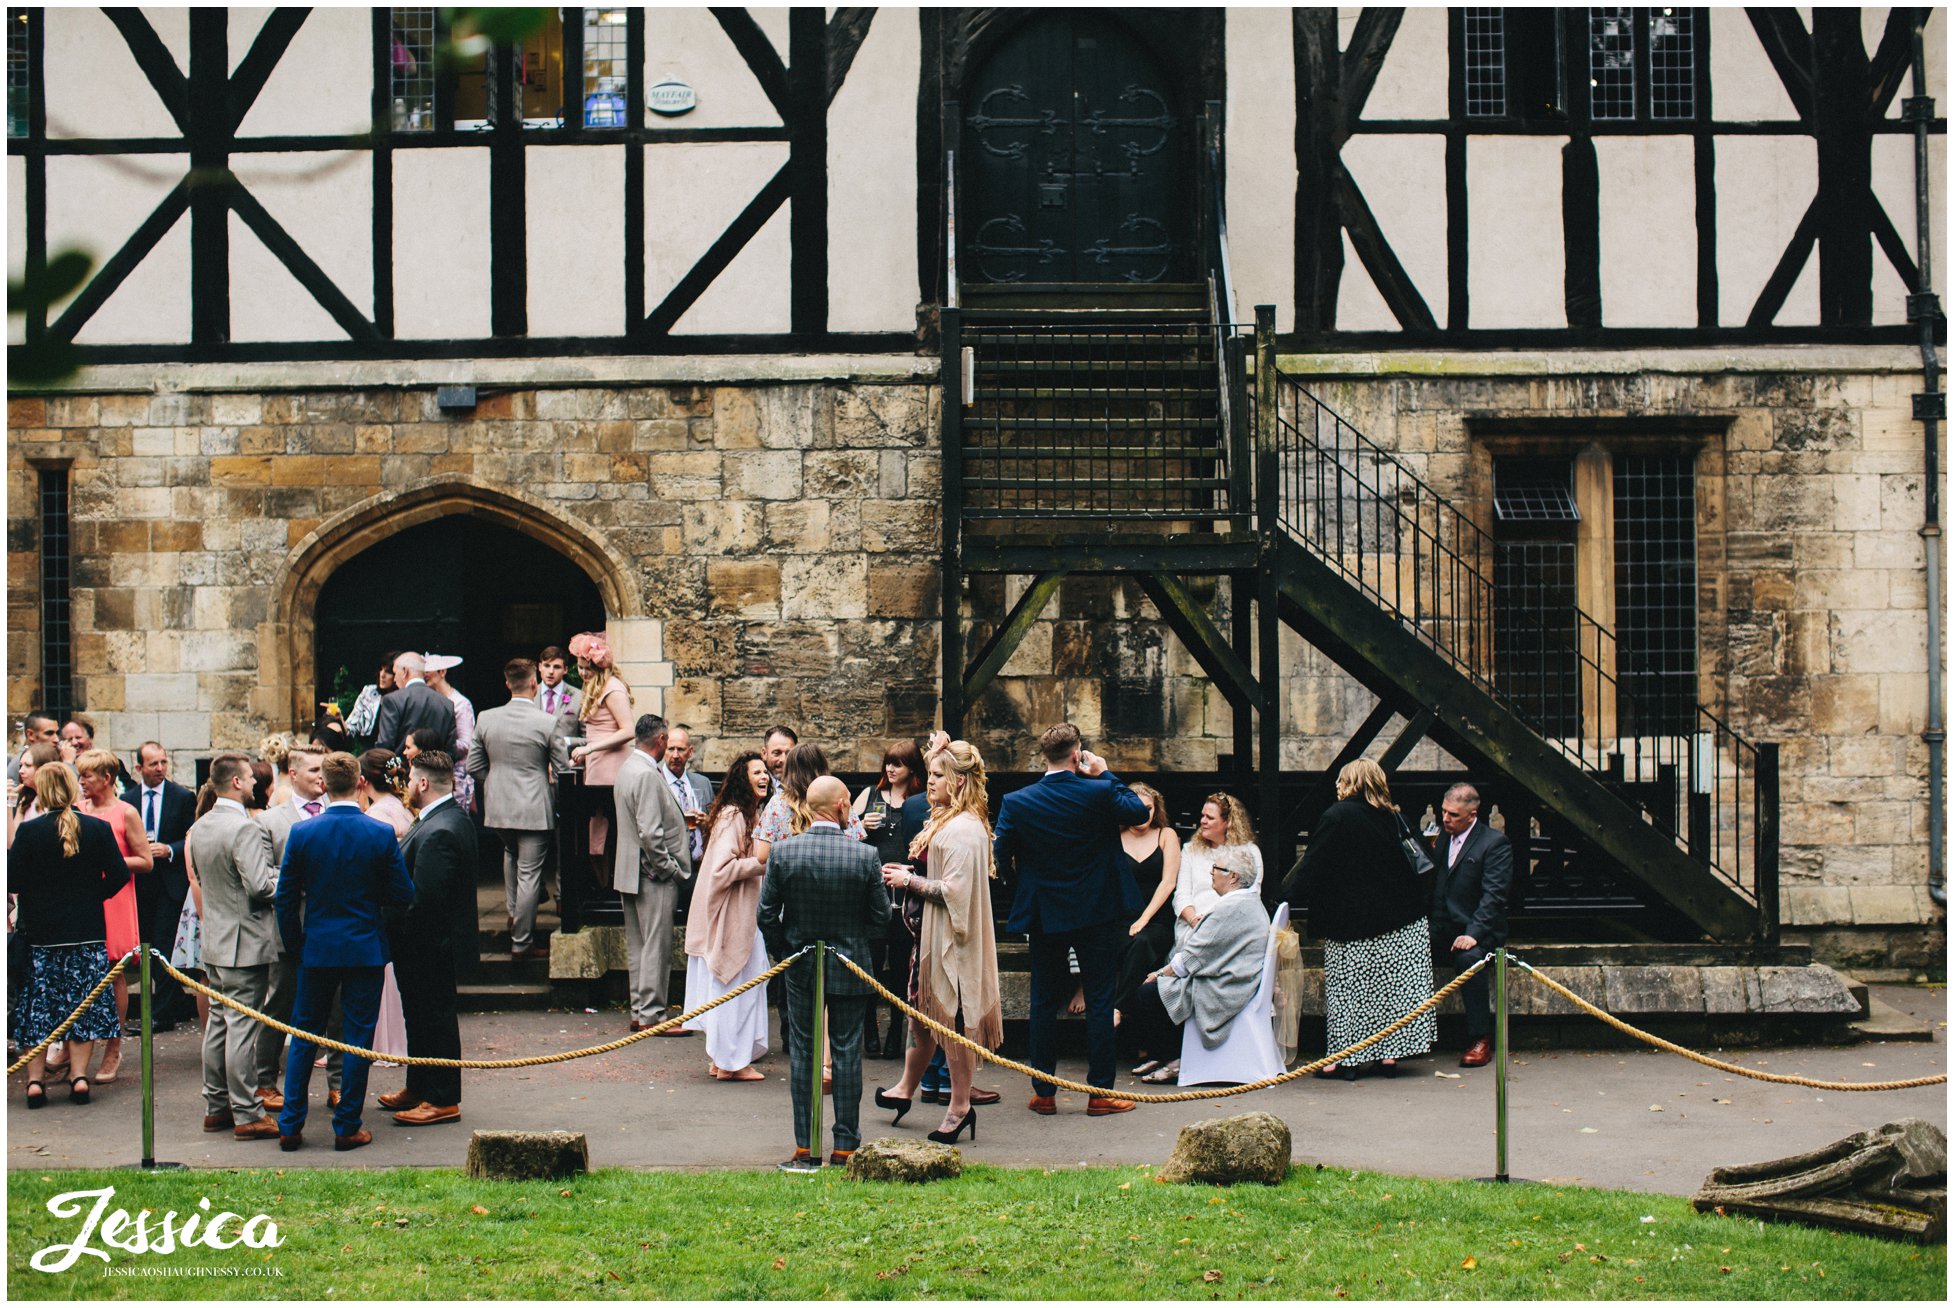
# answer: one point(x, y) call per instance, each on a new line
point(1411, 552)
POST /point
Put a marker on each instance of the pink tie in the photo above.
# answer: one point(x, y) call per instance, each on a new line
point(549, 700)
point(312, 808)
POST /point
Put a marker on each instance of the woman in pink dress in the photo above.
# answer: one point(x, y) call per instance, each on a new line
point(98, 770)
point(606, 719)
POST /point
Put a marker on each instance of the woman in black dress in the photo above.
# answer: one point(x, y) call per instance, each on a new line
point(1150, 860)
point(879, 806)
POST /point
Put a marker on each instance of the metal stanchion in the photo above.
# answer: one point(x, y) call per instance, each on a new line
point(814, 1051)
point(148, 1056)
point(1499, 1063)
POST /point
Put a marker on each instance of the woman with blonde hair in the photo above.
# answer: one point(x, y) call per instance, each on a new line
point(62, 867)
point(1366, 903)
point(955, 979)
point(608, 730)
point(276, 749)
point(98, 770)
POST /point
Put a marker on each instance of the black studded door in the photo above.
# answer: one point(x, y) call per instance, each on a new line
point(1074, 160)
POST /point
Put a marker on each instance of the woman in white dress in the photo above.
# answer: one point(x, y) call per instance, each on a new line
point(723, 946)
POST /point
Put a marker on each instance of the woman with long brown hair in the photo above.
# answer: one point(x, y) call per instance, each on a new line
point(955, 980)
point(879, 807)
point(723, 946)
point(61, 869)
point(99, 770)
point(605, 718)
point(1151, 856)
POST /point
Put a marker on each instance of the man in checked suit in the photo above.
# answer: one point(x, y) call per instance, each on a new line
point(1059, 837)
point(413, 706)
point(652, 863)
point(514, 758)
point(234, 863)
point(824, 885)
point(1468, 918)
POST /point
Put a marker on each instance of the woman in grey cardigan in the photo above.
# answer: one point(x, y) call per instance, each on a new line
point(1212, 976)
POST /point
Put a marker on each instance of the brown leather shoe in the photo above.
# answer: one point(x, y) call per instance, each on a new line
point(982, 1097)
point(265, 1128)
point(215, 1122)
point(1100, 1106)
point(360, 1137)
point(428, 1115)
point(840, 1157)
point(400, 1100)
point(271, 1099)
point(332, 1098)
point(675, 1033)
point(1043, 1105)
point(290, 1143)
point(1478, 1053)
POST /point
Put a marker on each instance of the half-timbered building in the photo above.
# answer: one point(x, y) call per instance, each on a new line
point(867, 368)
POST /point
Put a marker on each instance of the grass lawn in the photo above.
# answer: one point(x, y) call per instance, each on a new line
point(994, 1233)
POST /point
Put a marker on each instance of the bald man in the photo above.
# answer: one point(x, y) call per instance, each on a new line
point(824, 885)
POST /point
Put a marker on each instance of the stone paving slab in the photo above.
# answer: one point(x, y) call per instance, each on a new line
point(1577, 1117)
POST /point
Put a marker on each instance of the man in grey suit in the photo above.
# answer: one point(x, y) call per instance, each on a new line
point(514, 758)
point(233, 856)
point(652, 861)
point(414, 706)
point(282, 986)
point(555, 696)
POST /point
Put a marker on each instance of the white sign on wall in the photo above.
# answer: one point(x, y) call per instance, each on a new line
point(671, 99)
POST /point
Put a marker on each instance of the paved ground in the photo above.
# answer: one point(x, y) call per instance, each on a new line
point(1577, 1118)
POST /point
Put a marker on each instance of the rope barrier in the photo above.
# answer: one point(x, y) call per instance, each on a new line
point(59, 1031)
point(490, 1064)
point(1184, 1096)
point(1776, 1078)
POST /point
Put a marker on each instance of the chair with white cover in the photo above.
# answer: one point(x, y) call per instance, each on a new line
point(1249, 1052)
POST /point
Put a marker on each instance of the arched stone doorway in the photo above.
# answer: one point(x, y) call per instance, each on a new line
point(460, 585)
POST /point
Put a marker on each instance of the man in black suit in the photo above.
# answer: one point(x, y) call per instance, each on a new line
point(414, 706)
point(824, 885)
point(441, 860)
point(1469, 909)
point(166, 810)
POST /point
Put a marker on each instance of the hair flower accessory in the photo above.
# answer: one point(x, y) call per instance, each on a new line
point(592, 646)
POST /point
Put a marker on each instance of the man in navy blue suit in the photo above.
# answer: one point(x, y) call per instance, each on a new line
point(341, 870)
point(1057, 839)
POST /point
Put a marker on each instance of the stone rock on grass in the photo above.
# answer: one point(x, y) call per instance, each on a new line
point(527, 1155)
point(905, 1160)
point(1224, 1150)
point(1891, 1182)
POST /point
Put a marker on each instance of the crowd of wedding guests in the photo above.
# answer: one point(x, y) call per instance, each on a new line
point(294, 883)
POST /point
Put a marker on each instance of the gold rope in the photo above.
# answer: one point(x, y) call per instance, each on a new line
point(1656, 1040)
point(1184, 1096)
point(539, 1060)
point(75, 1016)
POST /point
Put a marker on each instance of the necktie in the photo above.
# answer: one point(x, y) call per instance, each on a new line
point(312, 808)
point(149, 812)
point(549, 699)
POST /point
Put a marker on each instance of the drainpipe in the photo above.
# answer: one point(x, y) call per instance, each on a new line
point(1929, 408)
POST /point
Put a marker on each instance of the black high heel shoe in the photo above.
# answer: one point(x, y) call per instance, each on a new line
point(954, 1133)
point(1337, 1072)
point(77, 1096)
point(902, 1106)
point(34, 1100)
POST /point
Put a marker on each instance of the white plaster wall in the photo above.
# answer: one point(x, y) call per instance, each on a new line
point(1403, 181)
point(1893, 187)
point(94, 87)
point(1517, 253)
point(688, 45)
point(95, 203)
point(1261, 165)
point(692, 193)
point(246, 20)
point(1743, 85)
point(1648, 230)
point(1764, 186)
point(575, 240)
point(324, 201)
point(1413, 80)
point(267, 301)
point(872, 181)
point(1360, 305)
point(324, 82)
point(441, 243)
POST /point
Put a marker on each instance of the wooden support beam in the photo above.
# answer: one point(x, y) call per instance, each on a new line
point(1407, 741)
point(1323, 793)
point(1204, 640)
point(1010, 633)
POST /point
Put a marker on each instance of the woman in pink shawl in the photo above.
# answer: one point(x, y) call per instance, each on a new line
point(722, 932)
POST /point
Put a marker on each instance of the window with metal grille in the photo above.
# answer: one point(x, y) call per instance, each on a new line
point(1611, 63)
point(1535, 667)
point(1485, 63)
point(1655, 591)
point(57, 650)
point(18, 89)
point(605, 70)
point(411, 59)
point(1672, 63)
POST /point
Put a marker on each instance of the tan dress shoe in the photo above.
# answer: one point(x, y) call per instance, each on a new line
point(360, 1137)
point(428, 1115)
point(399, 1100)
point(271, 1099)
point(332, 1098)
point(1099, 1106)
point(1043, 1105)
point(1478, 1053)
point(215, 1122)
point(262, 1129)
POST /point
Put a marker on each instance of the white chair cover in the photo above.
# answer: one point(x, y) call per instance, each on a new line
point(1249, 1053)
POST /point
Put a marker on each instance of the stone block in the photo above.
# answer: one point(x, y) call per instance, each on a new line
point(1887, 906)
point(1845, 705)
point(589, 954)
point(695, 700)
point(1878, 641)
point(1731, 990)
point(122, 410)
point(841, 474)
point(186, 730)
point(1652, 989)
point(749, 705)
point(762, 474)
point(159, 690)
point(791, 419)
point(798, 526)
point(1811, 989)
point(691, 476)
point(1867, 756)
point(884, 416)
point(743, 588)
point(913, 1161)
point(735, 419)
point(824, 586)
point(722, 527)
point(900, 526)
point(1226, 1150)
point(527, 1155)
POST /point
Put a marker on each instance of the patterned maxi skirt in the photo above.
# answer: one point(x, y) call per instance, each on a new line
point(1369, 984)
point(63, 976)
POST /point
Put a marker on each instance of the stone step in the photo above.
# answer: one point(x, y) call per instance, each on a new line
point(1885, 1022)
point(502, 997)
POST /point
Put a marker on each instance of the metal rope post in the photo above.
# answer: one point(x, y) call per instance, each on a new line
point(1499, 1064)
point(149, 1162)
point(814, 1050)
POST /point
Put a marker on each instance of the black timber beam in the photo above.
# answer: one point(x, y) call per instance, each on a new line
point(1324, 792)
point(1204, 640)
point(1009, 635)
point(1400, 749)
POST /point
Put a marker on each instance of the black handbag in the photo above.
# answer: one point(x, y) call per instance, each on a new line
point(1415, 856)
